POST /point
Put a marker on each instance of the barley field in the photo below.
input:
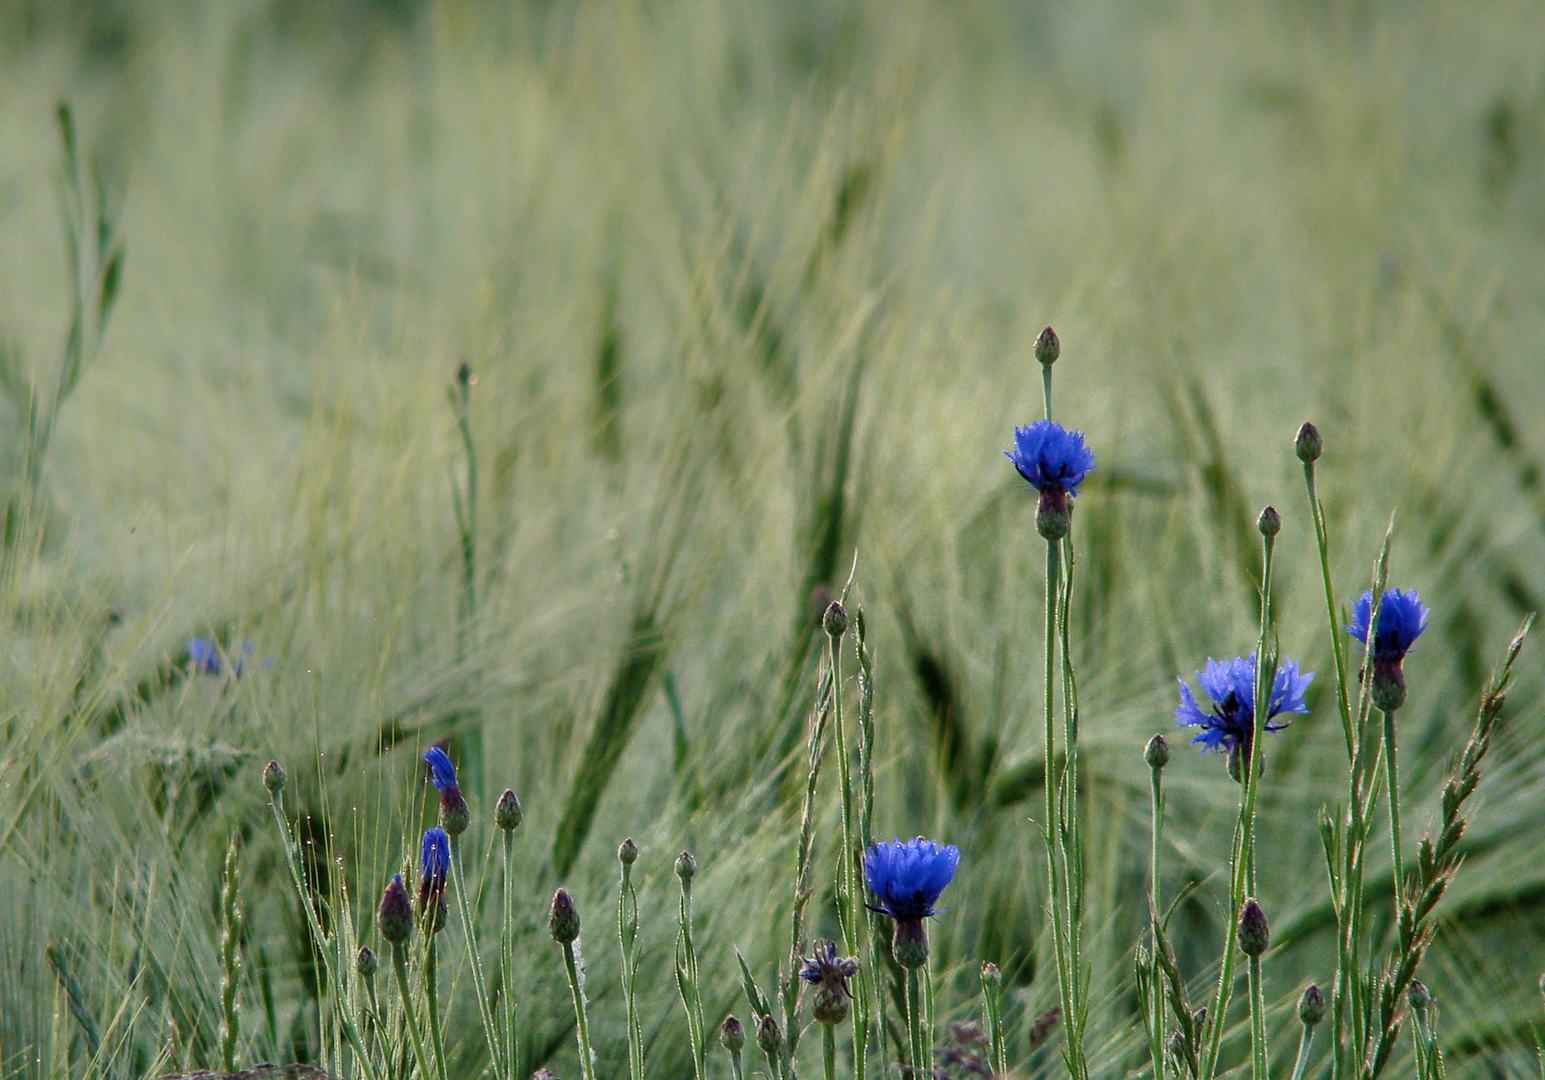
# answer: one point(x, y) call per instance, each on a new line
point(525, 378)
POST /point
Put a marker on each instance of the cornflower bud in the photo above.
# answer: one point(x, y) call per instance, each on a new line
point(991, 976)
point(627, 852)
point(732, 1036)
point(1254, 935)
point(394, 918)
point(1311, 1006)
point(1270, 522)
point(769, 1036)
point(686, 866)
point(1047, 346)
point(365, 961)
point(1156, 753)
point(507, 812)
point(274, 777)
point(1419, 996)
point(1308, 443)
point(563, 918)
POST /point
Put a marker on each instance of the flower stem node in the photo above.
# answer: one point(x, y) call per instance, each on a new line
point(769, 1036)
point(394, 918)
point(1254, 934)
point(274, 777)
point(1048, 347)
point(686, 866)
point(627, 852)
point(1269, 523)
point(563, 918)
point(732, 1036)
point(507, 811)
point(1311, 1005)
point(1308, 444)
point(1156, 753)
point(835, 619)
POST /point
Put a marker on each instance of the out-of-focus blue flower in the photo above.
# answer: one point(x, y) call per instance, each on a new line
point(204, 655)
point(442, 773)
point(1230, 684)
point(1050, 457)
point(1402, 618)
point(908, 876)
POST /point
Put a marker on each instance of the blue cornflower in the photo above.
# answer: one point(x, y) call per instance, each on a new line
point(1402, 618)
point(906, 878)
point(454, 812)
point(205, 656)
point(1230, 724)
point(829, 973)
point(1054, 461)
point(434, 865)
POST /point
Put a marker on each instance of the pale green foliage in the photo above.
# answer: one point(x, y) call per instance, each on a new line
point(747, 287)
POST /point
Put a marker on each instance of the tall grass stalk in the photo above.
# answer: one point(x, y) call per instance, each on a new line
point(325, 945)
point(854, 915)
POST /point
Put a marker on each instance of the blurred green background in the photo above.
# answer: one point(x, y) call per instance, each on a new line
point(746, 288)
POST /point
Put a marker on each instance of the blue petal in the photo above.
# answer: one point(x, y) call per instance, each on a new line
point(442, 773)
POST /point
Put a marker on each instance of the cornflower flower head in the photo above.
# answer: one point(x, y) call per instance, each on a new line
point(434, 865)
point(1054, 461)
point(829, 973)
point(1229, 724)
point(907, 878)
point(455, 814)
point(1402, 619)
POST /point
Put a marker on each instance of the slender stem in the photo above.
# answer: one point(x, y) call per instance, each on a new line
point(915, 1023)
point(581, 1020)
point(507, 962)
point(1337, 645)
point(1242, 871)
point(1301, 1063)
point(431, 990)
point(627, 937)
point(992, 1013)
point(479, 985)
point(1257, 1022)
point(1049, 751)
point(690, 987)
point(400, 967)
point(375, 1033)
point(829, 1051)
point(1392, 782)
point(815, 751)
point(736, 1069)
point(1070, 841)
point(1156, 1030)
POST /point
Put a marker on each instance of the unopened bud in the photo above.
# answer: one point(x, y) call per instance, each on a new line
point(769, 1036)
point(365, 961)
point(1156, 753)
point(274, 778)
point(1311, 1006)
point(991, 976)
point(1047, 346)
point(627, 852)
point(507, 812)
point(1419, 996)
point(1270, 522)
point(686, 866)
point(732, 1036)
point(394, 918)
point(1254, 935)
point(544, 1074)
point(455, 815)
point(1308, 443)
point(563, 918)
point(835, 619)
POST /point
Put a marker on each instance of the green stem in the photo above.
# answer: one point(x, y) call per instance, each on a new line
point(507, 961)
point(1242, 875)
point(1070, 842)
point(1050, 826)
point(432, 991)
point(1337, 645)
point(400, 968)
point(1301, 1063)
point(479, 985)
point(1156, 1031)
point(737, 1071)
point(627, 937)
point(915, 1023)
point(1257, 1023)
point(581, 1020)
point(375, 1035)
point(829, 1051)
point(992, 1013)
point(1392, 782)
point(690, 986)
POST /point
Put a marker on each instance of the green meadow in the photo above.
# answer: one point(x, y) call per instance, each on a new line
point(746, 295)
